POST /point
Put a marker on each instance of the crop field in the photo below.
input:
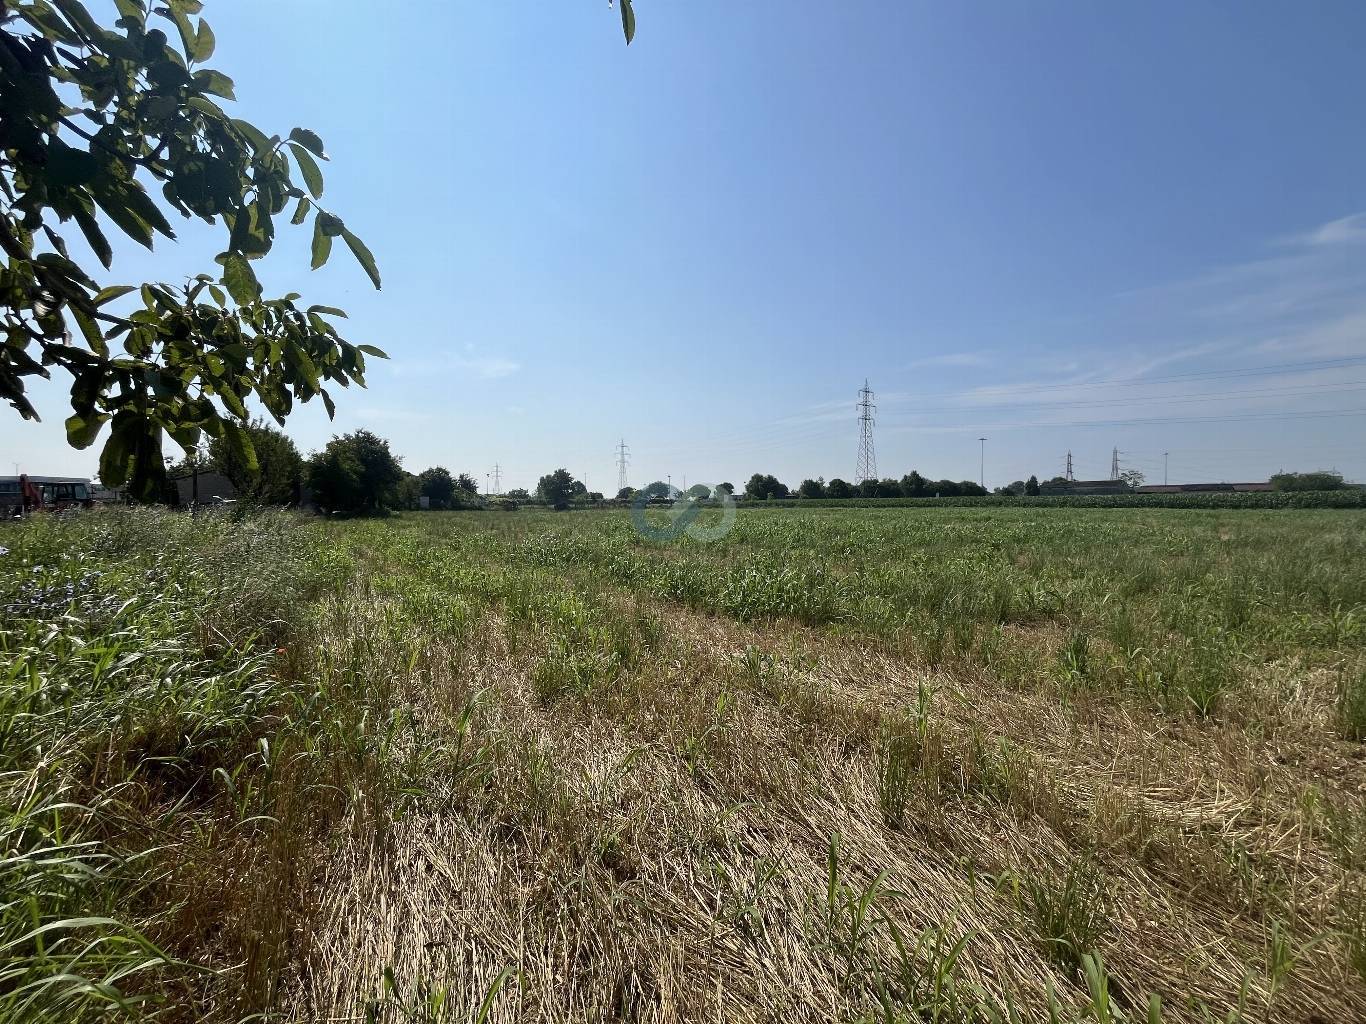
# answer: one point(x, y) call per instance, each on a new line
point(842, 764)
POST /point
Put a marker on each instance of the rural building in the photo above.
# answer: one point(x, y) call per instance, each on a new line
point(1085, 487)
point(212, 485)
point(1199, 488)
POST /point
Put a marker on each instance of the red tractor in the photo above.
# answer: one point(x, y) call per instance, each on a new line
point(24, 494)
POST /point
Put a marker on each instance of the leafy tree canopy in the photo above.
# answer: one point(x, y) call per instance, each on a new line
point(838, 488)
point(558, 487)
point(811, 489)
point(1031, 486)
point(762, 486)
point(114, 129)
point(279, 470)
point(437, 485)
point(698, 492)
point(467, 483)
point(626, 494)
point(656, 489)
point(913, 485)
point(1321, 480)
point(357, 473)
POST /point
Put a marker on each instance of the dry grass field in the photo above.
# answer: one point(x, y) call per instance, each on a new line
point(843, 765)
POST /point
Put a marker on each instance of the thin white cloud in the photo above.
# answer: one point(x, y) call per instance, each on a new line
point(1343, 231)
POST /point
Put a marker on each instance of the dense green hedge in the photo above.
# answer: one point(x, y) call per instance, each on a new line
point(1350, 498)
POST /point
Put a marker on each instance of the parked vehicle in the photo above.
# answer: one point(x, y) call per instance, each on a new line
point(22, 494)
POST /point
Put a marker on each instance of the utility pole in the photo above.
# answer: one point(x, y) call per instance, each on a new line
point(982, 466)
point(1068, 475)
point(867, 457)
point(623, 457)
point(1114, 464)
point(487, 492)
point(1164, 468)
point(497, 479)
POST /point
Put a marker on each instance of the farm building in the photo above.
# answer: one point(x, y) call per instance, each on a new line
point(212, 485)
point(1199, 488)
point(1085, 487)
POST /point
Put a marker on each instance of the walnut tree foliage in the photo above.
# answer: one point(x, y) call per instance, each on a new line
point(109, 130)
point(113, 130)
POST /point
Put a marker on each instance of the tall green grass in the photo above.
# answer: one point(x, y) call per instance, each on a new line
point(149, 735)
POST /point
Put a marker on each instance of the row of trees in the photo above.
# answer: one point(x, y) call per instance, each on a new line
point(912, 485)
point(358, 473)
point(767, 487)
point(355, 472)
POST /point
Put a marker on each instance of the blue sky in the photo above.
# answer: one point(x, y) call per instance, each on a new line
point(1061, 225)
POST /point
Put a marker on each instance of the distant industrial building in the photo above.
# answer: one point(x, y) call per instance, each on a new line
point(1064, 487)
point(1199, 488)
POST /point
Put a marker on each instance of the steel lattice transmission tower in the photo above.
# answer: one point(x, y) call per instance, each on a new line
point(1068, 475)
point(867, 457)
point(497, 479)
point(623, 457)
point(1114, 464)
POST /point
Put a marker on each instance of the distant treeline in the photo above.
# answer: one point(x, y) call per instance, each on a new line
point(1350, 498)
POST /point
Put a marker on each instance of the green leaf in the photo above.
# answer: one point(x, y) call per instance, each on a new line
point(111, 293)
point(328, 310)
point(81, 431)
point(628, 21)
point(308, 167)
point(370, 350)
point(240, 442)
point(234, 404)
point(301, 211)
point(94, 337)
point(183, 26)
point(240, 279)
point(254, 135)
point(114, 202)
point(218, 295)
point(215, 83)
point(304, 364)
point(363, 256)
point(143, 206)
point(207, 106)
point(322, 243)
point(203, 42)
point(309, 140)
point(99, 245)
point(252, 231)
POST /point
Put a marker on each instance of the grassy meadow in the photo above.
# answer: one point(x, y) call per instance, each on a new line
point(862, 764)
